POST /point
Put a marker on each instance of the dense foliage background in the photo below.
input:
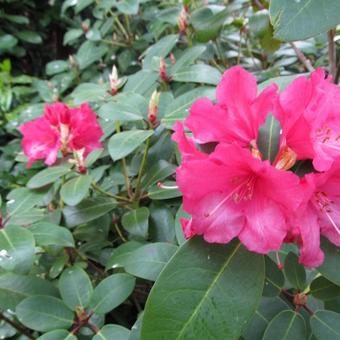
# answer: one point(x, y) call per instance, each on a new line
point(79, 253)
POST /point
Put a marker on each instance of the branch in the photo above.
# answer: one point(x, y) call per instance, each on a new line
point(305, 61)
point(18, 327)
point(331, 54)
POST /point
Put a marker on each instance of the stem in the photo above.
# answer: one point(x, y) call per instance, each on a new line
point(119, 232)
point(93, 327)
point(122, 28)
point(18, 327)
point(305, 61)
point(99, 189)
point(331, 54)
point(141, 170)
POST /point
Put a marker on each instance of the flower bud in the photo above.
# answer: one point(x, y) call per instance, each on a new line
point(153, 107)
point(115, 82)
point(85, 26)
point(162, 70)
point(172, 59)
point(183, 20)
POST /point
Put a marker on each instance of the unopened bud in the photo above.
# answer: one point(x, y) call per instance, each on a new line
point(85, 26)
point(115, 82)
point(163, 70)
point(153, 107)
point(172, 59)
point(285, 159)
point(183, 20)
point(72, 61)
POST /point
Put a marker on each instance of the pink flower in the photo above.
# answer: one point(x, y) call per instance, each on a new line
point(309, 112)
point(61, 128)
point(319, 214)
point(231, 194)
point(238, 114)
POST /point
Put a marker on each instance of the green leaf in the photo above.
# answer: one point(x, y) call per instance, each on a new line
point(286, 325)
point(17, 249)
point(7, 42)
point(15, 287)
point(199, 73)
point(56, 66)
point(299, 20)
point(159, 171)
point(148, 261)
point(161, 49)
point(58, 334)
point(325, 325)
point(123, 112)
point(282, 82)
point(207, 24)
point(323, 289)
point(44, 313)
point(267, 310)
point(111, 292)
point(47, 234)
point(89, 52)
point(109, 332)
point(47, 176)
point(178, 109)
point(129, 7)
point(206, 291)
point(274, 279)
point(178, 225)
point(162, 223)
point(82, 4)
point(142, 82)
point(71, 35)
point(136, 222)
point(75, 288)
point(88, 210)
point(75, 190)
point(268, 140)
point(29, 36)
point(188, 57)
point(295, 272)
point(123, 143)
point(89, 92)
point(330, 266)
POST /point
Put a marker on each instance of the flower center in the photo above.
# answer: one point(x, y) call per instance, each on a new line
point(243, 191)
point(325, 206)
point(327, 137)
point(64, 137)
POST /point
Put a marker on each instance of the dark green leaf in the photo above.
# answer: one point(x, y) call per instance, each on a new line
point(73, 191)
point(274, 278)
point(110, 332)
point(75, 287)
point(89, 53)
point(58, 334)
point(298, 20)
point(111, 292)
point(46, 234)
point(136, 222)
point(295, 272)
point(123, 143)
point(47, 176)
point(56, 66)
point(326, 325)
point(44, 313)
point(286, 325)
point(200, 73)
point(148, 261)
point(330, 267)
point(324, 289)
point(268, 140)
point(88, 210)
point(207, 291)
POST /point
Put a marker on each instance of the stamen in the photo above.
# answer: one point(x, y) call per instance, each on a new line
point(278, 260)
point(166, 187)
point(332, 222)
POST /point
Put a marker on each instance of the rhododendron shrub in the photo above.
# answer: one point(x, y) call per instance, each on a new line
point(234, 192)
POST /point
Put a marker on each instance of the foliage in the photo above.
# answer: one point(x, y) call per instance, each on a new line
point(79, 253)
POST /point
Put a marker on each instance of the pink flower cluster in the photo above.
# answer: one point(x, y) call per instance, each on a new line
point(61, 128)
point(232, 192)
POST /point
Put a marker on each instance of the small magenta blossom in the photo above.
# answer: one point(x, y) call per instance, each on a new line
point(61, 128)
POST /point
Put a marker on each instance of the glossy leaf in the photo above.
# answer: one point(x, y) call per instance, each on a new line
point(123, 143)
point(136, 222)
point(44, 313)
point(88, 53)
point(109, 332)
point(286, 325)
point(47, 176)
point(76, 189)
point(330, 267)
point(295, 272)
point(200, 73)
point(196, 296)
point(58, 334)
point(274, 278)
point(75, 287)
point(88, 210)
point(148, 261)
point(111, 292)
point(323, 289)
point(298, 20)
point(326, 325)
